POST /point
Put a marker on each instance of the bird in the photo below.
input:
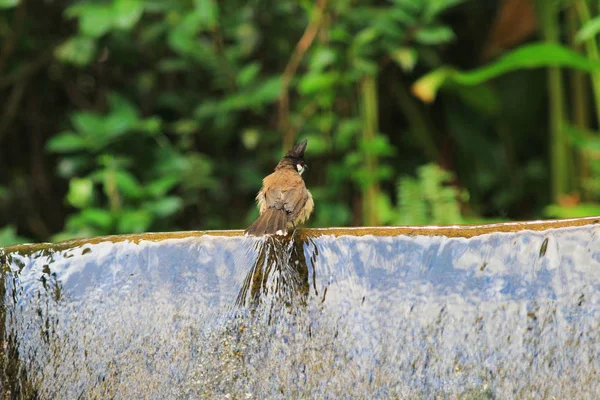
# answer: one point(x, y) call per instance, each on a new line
point(283, 201)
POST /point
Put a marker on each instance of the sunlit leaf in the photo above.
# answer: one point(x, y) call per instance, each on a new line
point(81, 192)
point(9, 4)
point(534, 55)
point(248, 74)
point(405, 57)
point(66, 142)
point(434, 35)
point(95, 19)
point(589, 30)
point(128, 184)
point(318, 81)
point(127, 13)
point(208, 10)
point(78, 50)
point(164, 207)
point(97, 217)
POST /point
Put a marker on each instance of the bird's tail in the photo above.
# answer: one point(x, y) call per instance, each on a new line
point(271, 222)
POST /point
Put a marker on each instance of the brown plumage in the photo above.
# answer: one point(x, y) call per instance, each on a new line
point(283, 201)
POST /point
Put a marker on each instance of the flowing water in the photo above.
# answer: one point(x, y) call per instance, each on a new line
point(499, 315)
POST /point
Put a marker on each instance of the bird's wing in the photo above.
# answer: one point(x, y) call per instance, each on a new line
point(285, 190)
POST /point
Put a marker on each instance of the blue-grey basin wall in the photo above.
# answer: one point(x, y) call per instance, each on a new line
point(329, 314)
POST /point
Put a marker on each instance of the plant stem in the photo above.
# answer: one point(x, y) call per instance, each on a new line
point(370, 189)
point(548, 13)
point(580, 112)
point(591, 48)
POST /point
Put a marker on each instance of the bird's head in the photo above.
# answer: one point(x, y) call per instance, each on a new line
point(295, 158)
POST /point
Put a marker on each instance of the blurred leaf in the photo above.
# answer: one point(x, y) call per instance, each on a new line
point(128, 184)
point(250, 138)
point(534, 55)
point(66, 142)
point(161, 186)
point(582, 138)
point(318, 144)
point(164, 207)
point(95, 19)
point(97, 217)
point(78, 50)
point(434, 35)
point(127, 13)
point(576, 211)
point(346, 132)
point(8, 4)
point(185, 126)
point(123, 116)
point(208, 10)
point(89, 124)
point(314, 82)
point(134, 221)
point(81, 192)
point(152, 125)
point(405, 57)
point(379, 146)
point(8, 235)
point(248, 74)
point(588, 31)
point(322, 58)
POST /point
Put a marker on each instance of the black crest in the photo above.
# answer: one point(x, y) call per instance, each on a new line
point(298, 150)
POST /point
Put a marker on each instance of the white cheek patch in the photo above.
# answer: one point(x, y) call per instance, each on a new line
point(299, 168)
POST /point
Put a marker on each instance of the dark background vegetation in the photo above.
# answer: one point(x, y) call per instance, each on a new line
point(133, 115)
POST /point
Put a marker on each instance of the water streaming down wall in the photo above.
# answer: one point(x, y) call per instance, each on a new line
point(329, 314)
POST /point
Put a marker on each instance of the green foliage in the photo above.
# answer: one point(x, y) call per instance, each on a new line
point(127, 115)
point(430, 198)
point(8, 236)
point(534, 55)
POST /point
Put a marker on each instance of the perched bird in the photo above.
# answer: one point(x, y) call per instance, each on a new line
point(283, 200)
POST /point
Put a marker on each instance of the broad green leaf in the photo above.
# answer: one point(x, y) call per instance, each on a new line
point(164, 207)
point(127, 13)
point(9, 4)
point(248, 74)
point(208, 10)
point(534, 55)
point(78, 50)
point(589, 30)
point(66, 142)
point(434, 35)
point(162, 186)
point(134, 221)
point(267, 91)
point(322, 58)
point(379, 145)
point(98, 217)
point(123, 115)
point(88, 124)
point(81, 192)
point(128, 184)
point(95, 19)
point(317, 81)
